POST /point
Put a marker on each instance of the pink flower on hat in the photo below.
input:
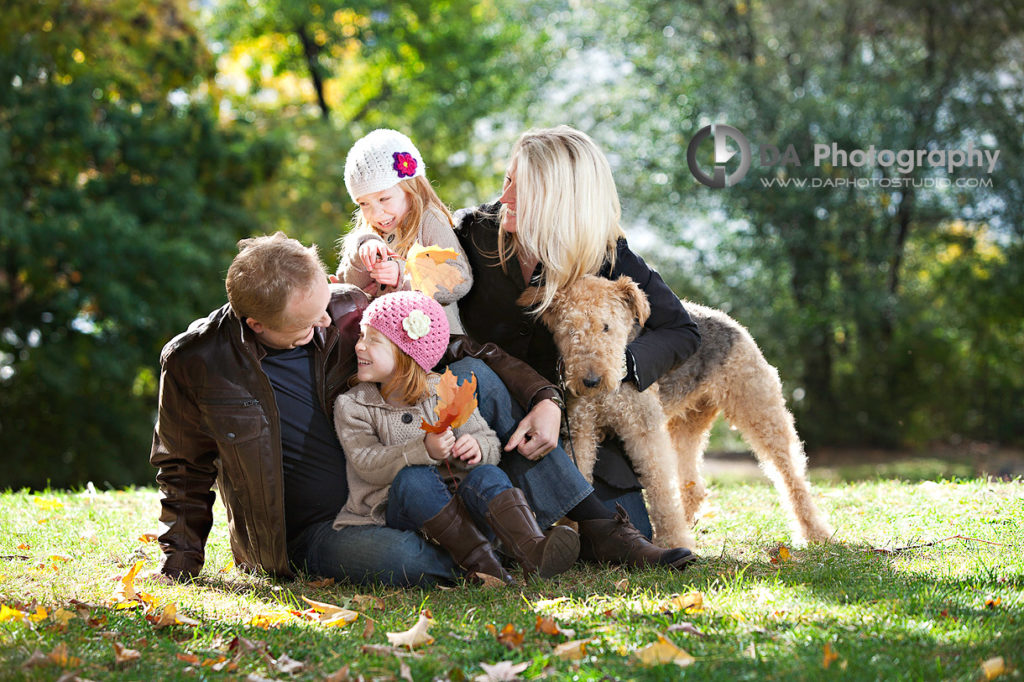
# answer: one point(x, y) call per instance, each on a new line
point(405, 164)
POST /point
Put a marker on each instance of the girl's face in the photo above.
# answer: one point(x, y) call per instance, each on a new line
point(508, 199)
point(375, 356)
point(384, 209)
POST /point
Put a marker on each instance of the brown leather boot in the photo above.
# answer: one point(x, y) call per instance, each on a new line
point(538, 553)
point(454, 530)
point(617, 541)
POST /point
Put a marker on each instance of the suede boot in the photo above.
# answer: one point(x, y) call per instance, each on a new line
point(514, 523)
point(617, 541)
point(454, 530)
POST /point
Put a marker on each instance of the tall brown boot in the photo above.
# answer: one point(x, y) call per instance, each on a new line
point(454, 530)
point(514, 523)
point(617, 541)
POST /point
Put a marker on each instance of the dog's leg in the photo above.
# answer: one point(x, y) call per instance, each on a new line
point(640, 422)
point(583, 435)
point(689, 433)
point(770, 432)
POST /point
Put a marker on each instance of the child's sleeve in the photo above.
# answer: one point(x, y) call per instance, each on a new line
point(350, 266)
point(490, 446)
point(435, 231)
point(376, 463)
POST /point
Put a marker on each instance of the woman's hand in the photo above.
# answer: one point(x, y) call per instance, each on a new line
point(373, 251)
point(537, 434)
point(467, 449)
point(439, 445)
point(386, 272)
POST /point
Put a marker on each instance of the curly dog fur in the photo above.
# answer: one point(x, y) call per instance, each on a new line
point(665, 429)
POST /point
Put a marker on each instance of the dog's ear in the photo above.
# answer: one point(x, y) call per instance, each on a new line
point(633, 297)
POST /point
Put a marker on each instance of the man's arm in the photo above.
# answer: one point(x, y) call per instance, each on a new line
point(186, 460)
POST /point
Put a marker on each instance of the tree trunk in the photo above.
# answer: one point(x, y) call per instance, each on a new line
point(311, 51)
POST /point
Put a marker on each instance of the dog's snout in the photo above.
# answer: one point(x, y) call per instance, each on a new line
point(591, 381)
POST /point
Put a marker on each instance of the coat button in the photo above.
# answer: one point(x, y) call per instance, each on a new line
point(524, 329)
point(407, 418)
point(231, 436)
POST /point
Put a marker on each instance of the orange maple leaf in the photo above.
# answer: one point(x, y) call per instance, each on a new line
point(455, 403)
point(428, 268)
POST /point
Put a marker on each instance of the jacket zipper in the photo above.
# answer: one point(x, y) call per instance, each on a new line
point(236, 402)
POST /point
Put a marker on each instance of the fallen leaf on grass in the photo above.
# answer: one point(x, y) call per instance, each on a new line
point(547, 626)
point(39, 615)
point(622, 585)
point(661, 652)
point(123, 654)
point(509, 637)
point(691, 602)
point(324, 582)
point(993, 668)
point(503, 671)
point(404, 671)
point(455, 403)
point(7, 613)
point(367, 601)
point(24, 546)
point(340, 675)
point(416, 635)
point(992, 602)
point(148, 537)
point(428, 269)
point(288, 665)
point(574, 650)
point(330, 615)
point(170, 616)
point(47, 503)
point(126, 590)
point(829, 657)
point(688, 628)
point(61, 657)
point(63, 616)
point(269, 620)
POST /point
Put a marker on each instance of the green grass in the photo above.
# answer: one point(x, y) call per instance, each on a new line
point(935, 612)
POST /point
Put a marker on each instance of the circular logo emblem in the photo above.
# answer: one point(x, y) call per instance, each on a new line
point(721, 134)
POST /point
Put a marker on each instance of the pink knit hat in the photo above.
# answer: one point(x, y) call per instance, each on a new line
point(414, 322)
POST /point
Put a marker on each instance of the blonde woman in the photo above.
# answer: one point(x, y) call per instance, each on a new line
point(557, 220)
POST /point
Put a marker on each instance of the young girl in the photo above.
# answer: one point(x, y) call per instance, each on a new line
point(386, 177)
point(404, 335)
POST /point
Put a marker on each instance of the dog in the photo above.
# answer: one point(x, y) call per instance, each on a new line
point(665, 429)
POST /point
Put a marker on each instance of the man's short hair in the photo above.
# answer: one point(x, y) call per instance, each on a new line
point(264, 274)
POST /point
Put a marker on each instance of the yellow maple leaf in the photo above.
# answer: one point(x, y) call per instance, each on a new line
point(268, 620)
point(690, 602)
point(428, 269)
point(663, 651)
point(63, 616)
point(39, 615)
point(571, 651)
point(415, 636)
point(47, 503)
point(455, 403)
point(7, 613)
point(993, 668)
point(126, 591)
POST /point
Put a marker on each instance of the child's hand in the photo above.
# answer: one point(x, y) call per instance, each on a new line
point(439, 445)
point(372, 251)
point(386, 272)
point(467, 449)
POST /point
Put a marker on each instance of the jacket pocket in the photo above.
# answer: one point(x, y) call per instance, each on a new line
point(232, 421)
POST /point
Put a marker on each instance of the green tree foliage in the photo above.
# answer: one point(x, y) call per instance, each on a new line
point(822, 275)
point(118, 211)
point(452, 75)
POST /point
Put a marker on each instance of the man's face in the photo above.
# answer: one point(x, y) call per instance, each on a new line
point(305, 311)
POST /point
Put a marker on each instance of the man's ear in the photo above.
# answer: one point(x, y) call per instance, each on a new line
point(254, 325)
point(634, 298)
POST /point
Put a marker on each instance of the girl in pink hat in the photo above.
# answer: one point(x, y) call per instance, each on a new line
point(386, 177)
point(403, 336)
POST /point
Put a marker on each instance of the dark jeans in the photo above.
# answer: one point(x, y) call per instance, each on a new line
point(552, 485)
point(418, 493)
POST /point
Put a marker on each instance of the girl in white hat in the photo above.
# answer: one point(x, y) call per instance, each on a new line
point(385, 175)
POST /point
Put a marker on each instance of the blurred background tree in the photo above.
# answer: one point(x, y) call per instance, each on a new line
point(138, 142)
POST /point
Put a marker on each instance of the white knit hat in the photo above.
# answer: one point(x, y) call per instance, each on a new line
point(379, 161)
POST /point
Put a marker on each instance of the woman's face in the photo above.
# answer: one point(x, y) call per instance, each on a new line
point(508, 199)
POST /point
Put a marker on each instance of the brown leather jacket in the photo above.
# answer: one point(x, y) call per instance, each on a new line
point(218, 422)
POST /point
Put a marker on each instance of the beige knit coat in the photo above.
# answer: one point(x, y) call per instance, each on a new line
point(379, 440)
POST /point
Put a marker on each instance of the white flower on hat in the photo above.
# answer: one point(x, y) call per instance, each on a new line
point(416, 324)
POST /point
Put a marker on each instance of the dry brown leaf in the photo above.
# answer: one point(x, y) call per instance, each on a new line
point(188, 658)
point(502, 671)
point(663, 651)
point(287, 665)
point(547, 626)
point(688, 628)
point(368, 601)
point(331, 615)
point(455, 403)
point(415, 636)
point(428, 269)
point(404, 671)
point(63, 616)
point(509, 637)
point(146, 538)
point(369, 628)
point(993, 668)
point(325, 582)
point(340, 675)
point(61, 657)
point(829, 656)
point(622, 585)
point(36, 659)
point(123, 654)
point(572, 651)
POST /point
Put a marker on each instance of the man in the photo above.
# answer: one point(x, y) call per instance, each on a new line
point(246, 396)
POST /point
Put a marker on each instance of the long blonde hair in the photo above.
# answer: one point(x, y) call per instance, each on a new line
point(408, 379)
point(567, 208)
point(422, 198)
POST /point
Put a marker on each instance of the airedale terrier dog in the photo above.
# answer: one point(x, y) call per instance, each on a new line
point(665, 428)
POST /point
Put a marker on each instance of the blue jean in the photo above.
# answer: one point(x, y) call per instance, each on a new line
point(418, 494)
point(367, 555)
point(552, 485)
